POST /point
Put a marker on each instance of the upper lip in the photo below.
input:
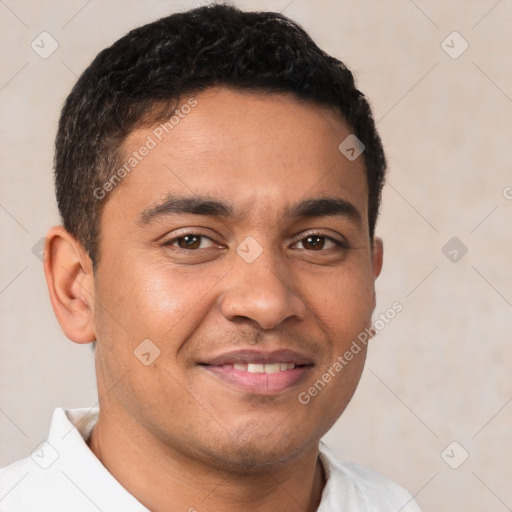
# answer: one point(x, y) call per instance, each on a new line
point(247, 356)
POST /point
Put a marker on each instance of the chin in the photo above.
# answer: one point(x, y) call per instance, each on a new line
point(248, 452)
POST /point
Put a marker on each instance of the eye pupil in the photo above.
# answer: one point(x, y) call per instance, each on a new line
point(314, 242)
point(189, 242)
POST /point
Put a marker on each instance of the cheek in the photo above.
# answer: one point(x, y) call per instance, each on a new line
point(344, 303)
point(153, 300)
point(329, 393)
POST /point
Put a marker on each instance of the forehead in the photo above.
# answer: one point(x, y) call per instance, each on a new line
point(247, 148)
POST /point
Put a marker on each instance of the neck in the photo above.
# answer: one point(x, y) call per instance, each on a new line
point(163, 479)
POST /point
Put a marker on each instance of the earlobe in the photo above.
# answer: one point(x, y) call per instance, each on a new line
point(70, 280)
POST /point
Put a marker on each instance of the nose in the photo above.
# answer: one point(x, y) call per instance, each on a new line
point(261, 292)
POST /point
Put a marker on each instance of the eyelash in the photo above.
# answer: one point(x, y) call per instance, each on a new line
point(192, 233)
point(339, 244)
point(342, 245)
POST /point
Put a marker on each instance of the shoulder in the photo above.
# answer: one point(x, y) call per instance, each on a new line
point(362, 488)
point(20, 482)
point(63, 474)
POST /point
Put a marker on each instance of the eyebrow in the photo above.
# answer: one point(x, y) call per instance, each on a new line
point(197, 205)
point(183, 205)
point(325, 207)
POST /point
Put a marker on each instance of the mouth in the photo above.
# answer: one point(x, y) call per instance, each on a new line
point(262, 368)
point(257, 372)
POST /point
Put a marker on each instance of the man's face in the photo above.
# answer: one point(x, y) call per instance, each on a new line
point(239, 246)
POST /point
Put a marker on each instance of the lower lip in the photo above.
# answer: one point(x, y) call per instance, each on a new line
point(260, 383)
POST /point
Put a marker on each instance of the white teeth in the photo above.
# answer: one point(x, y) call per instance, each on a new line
point(255, 368)
point(272, 368)
point(263, 368)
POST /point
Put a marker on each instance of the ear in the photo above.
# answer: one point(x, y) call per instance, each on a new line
point(70, 279)
point(377, 260)
point(377, 256)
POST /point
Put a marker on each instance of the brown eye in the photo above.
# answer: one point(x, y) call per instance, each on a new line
point(319, 242)
point(189, 242)
point(314, 242)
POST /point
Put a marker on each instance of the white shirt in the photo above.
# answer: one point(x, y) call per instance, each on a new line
point(64, 475)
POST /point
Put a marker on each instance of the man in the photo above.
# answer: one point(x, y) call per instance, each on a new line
point(219, 180)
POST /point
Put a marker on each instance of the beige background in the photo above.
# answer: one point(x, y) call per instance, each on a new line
point(440, 371)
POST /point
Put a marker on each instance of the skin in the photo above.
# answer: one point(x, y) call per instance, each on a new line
point(173, 433)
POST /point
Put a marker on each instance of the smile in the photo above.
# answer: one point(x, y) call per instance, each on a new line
point(262, 368)
point(259, 372)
